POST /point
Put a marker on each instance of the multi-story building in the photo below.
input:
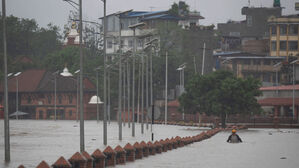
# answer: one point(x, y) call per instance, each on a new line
point(235, 34)
point(284, 36)
point(147, 32)
point(36, 95)
point(278, 100)
point(244, 64)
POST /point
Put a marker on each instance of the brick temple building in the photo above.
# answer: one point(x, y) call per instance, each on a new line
point(36, 95)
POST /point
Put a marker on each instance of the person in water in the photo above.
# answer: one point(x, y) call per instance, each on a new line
point(234, 138)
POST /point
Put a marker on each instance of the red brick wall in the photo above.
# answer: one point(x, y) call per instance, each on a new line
point(40, 101)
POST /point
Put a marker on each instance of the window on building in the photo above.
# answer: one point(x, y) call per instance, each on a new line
point(293, 29)
point(273, 30)
point(293, 45)
point(140, 43)
point(249, 20)
point(122, 43)
point(130, 43)
point(0, 98)
point(109, 44)
point(70, 99)
point(267, 62)
point(283, 29)
point(283, 45)
point(246, 62)
point(266, 77)
point(60, 99)
point(41, 96)
point(49, 99)
point(256, 62)
point(40, 114)
point(273, 45)
point(29, 99)
point(70, 113)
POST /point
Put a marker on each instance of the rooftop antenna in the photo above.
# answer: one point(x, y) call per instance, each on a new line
point(152, 7)
point(248, 3)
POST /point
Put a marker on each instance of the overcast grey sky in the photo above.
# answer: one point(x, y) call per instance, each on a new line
point(56, 11)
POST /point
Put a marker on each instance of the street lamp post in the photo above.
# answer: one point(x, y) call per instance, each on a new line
point(55, 92)
point(181, 69)
point(293, 63)
point(105, 83)
point(150, 43)
point(166, 86)
point(276, 76)
point(133, 27)
point(97, 81)
point(77, 105)
point(128, 92)
point(142, 94)
point(6, 118)
point(82, 146)
point(17, 94)
point(203, 59)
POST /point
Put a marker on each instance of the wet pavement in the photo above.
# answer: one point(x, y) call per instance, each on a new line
point(33, 141)
point(261, 148)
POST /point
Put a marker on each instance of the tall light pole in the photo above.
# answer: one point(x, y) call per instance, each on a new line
point(17, 94)
point(181, 69)
point(77, 105)
point(203, 59)
point(97, 83)
point(133, 27)
point(128, 91)
point(142, 94)
point(151, 74)
point(166, 86)
point(105, 83)
point(6, 118)
point(293, 63)
point(276, 79)
point(55, 92)
point(74, 4)
point(146, 91)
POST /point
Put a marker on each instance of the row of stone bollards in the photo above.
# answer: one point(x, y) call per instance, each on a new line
point(129, 153)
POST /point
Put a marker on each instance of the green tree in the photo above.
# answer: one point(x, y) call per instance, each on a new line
point(179, 9)
point(221, 93)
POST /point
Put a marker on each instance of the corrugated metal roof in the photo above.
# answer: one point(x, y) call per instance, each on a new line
point(162, 16)
point(142, 13)
point(278, 101)
point(43, 81)
point(283, 87)
point(28, 81)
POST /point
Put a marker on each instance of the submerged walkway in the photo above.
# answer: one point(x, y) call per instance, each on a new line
point(267, 148)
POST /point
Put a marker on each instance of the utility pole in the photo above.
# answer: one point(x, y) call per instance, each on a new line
point(109, 96)
point(133, 87)
point(82, 144)
point(55, 92)
point(124, 92)
point(128, 89)
point(166, 86)
point(105, 80)
point(203, 59)
point(142, 95)
point(138, 94)
point(146, 92)
point(17, 94)
point(98, 115)
point(151, 81)
point(119, 84)
point(6, 118)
